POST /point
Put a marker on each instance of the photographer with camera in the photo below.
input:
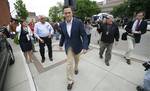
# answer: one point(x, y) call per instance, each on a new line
point(110, 34)
point(4, 31)
point(146, 85)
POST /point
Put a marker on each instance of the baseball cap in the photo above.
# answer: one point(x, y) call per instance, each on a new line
point(109, 16)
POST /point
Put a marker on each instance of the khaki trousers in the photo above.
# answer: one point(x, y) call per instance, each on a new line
point(70, 64)
point(131, 46)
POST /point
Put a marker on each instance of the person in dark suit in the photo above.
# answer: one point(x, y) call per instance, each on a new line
point(24, 37)
point(75, 39)
point(134, 30)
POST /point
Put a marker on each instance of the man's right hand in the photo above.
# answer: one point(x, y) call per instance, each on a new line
point(41, 40)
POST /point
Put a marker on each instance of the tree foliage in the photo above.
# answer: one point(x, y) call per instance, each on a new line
point(21, 10)
point(130, 7)
point(120, 10)
point(55, 12)
point(86, 8)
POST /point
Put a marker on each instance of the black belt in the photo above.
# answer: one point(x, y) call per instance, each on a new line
point(44, 37)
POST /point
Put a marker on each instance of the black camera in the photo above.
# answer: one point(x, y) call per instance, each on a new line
point(5, 31)
point(146, 65)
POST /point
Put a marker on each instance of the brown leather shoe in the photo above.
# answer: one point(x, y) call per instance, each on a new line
point(51, 59)
point(69, 87)
point(139, 88)
point(100, 56)
point(128, 61)
point(76, 72)
point(107, 63)
point(43, 60)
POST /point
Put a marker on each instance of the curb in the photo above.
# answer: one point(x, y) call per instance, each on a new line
point(27, 70)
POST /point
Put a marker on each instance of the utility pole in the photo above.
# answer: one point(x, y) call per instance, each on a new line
point(71, 3)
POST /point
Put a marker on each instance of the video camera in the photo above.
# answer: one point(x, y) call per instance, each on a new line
point(4, 31)
point(146, 65)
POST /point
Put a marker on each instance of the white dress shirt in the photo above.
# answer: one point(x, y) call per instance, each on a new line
point(134, 27)
point(69, 26)
point(43, 30)
point(18, 30)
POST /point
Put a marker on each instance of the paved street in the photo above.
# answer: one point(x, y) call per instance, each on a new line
point(93, 75)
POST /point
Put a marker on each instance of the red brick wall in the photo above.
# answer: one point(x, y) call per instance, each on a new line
point(4, 12)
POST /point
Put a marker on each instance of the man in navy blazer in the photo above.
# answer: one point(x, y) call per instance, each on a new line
point(75, 39)
point(134, 30)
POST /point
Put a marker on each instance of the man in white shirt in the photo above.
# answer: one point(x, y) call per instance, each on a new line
point(43, 31)
point(135, 29)
point(75, 39)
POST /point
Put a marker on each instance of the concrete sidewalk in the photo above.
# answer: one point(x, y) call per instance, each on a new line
point(93, 75)
point(18, 78)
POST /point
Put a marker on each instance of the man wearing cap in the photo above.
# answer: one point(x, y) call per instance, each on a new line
point(109, 32)
point(43, 31)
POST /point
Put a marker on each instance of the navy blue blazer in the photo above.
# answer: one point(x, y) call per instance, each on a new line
point(142, 28)
point(77, 40)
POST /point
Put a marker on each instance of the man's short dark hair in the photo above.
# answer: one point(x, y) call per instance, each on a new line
point(140, 12)
point(67, 7)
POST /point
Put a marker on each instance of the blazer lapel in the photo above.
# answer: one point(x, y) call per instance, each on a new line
point(141, 24)
point(72, 28)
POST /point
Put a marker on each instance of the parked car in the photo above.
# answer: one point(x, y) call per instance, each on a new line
point(6, 55)
point(148, 24)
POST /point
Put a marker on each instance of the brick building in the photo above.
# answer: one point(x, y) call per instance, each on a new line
point(32, 15)
point(109, 4)
point(4, 12)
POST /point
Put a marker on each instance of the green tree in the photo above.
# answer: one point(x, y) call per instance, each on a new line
point(139, 5)
point(55, 12)
point(21, 10)
point(121, 10)
point(147, 8)
point(130, 7)
point(86, 8)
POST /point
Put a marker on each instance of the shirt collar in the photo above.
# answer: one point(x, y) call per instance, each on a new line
point(69, 22)
point(139, 20)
